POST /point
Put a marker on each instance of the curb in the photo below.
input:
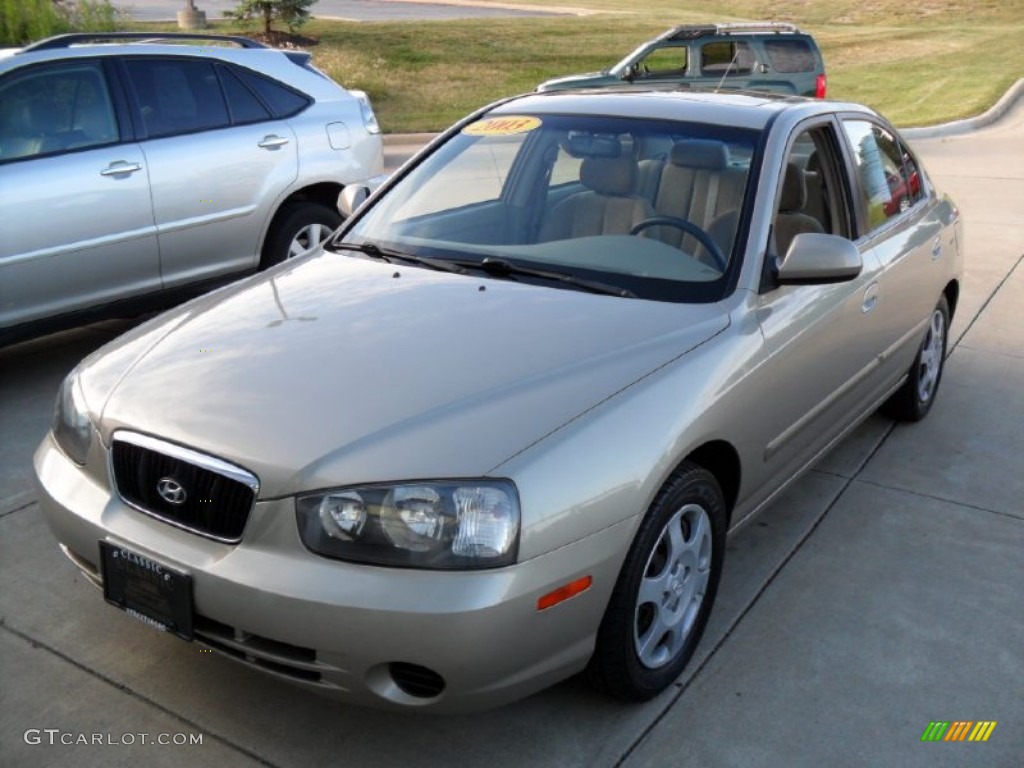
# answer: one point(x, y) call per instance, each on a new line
point(957, 127)
point(400, 139)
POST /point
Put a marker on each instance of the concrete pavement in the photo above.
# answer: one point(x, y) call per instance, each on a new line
point(883, 592)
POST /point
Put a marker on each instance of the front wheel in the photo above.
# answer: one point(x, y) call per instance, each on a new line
point(914, 399)
point(298, 229)
point(662, 600)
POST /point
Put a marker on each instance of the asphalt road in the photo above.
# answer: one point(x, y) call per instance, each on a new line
point(349, 10)
point(881, 593)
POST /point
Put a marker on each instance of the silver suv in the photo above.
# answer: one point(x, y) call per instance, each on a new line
point(136, 171)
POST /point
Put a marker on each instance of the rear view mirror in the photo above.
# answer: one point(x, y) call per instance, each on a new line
point(351, 197)
point(817, 258)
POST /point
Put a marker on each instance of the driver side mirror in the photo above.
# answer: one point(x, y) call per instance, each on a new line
point(351, 197)
point(815, 259)
point(629, 73)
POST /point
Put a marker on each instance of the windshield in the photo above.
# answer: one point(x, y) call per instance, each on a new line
point(648, 207)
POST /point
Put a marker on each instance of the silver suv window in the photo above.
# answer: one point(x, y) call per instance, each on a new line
point(177, 95)
point(56, 108)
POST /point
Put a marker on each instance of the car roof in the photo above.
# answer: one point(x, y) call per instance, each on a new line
point(244, 52)
point(743, 109)
point(80, 45)
point(694, 31)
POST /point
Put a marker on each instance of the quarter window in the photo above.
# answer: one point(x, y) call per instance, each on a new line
point(55, 109)
point(787, 55)
point(244, 106)
point(283, 102)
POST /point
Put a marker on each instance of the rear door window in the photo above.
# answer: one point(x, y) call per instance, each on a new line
point(177, 96)
point(726, 58)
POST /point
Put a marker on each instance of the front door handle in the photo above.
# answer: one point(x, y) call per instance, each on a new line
point(272, 142)
point(119, 168)
point(870, 298)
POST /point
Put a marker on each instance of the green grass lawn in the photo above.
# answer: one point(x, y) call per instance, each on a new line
point(919, 63)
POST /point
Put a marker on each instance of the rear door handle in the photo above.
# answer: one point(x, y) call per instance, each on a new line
point(272, 142)
point(937, 247)
point(119, 168)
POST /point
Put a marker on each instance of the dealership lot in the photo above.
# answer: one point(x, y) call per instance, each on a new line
point(883, 592)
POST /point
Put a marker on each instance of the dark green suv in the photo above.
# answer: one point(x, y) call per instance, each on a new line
point(762, 56)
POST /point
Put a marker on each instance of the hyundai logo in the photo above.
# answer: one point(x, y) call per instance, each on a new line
point(171, 491)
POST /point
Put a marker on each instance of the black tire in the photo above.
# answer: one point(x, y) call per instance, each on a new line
point(673, 627)
point(293, 231)
point(914, 399)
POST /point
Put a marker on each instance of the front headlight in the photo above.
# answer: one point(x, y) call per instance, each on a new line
point(71, 426)
point(451, 524)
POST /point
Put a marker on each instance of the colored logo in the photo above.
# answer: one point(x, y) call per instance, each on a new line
point(958, 730)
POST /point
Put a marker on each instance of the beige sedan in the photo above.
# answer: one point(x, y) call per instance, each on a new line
point(496, 432)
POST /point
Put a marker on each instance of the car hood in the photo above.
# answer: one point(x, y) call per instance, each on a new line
point(339, 370)
point(585, 80)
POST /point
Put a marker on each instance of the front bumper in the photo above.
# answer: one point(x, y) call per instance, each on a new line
point(444, 641)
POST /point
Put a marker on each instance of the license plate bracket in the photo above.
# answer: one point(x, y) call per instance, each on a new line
point(148, 590)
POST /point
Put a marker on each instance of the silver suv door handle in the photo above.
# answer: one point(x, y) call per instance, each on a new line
point(272, 142)
point(119, 167)
point(870, 298)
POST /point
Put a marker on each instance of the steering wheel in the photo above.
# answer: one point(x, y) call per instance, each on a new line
point(690, 228)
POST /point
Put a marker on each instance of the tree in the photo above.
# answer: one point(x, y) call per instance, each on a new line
point(294, 13)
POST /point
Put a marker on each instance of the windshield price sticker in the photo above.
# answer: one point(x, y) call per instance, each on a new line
point(502, 126)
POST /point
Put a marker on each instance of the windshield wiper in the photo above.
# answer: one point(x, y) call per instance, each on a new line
point(390, 255)
point(503, 268)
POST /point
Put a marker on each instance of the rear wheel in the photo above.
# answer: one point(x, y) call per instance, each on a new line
point(914, 399)
point(298, 229)
point(662, 600)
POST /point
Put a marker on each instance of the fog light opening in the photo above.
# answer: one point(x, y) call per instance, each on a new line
point(564, 592)
point(417, 681)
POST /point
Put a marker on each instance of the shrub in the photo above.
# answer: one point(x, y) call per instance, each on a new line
point(22, 21)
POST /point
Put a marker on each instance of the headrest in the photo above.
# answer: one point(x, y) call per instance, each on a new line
point(700, 153)
point(794, 190)
point(592, 145)
point(608, 175)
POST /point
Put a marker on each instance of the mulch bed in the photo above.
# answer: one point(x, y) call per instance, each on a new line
point(277, 39)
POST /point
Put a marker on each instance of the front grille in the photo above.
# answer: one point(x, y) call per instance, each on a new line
point(214, 497)
point(281, 658)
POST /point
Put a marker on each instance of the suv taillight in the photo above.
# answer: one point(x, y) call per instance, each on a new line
point(820, 84)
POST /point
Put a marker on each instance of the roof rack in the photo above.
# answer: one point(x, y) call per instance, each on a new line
point(693, 31)
point(75, 38)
